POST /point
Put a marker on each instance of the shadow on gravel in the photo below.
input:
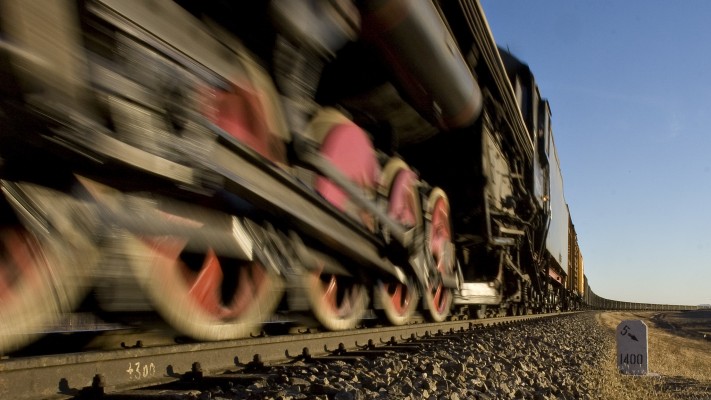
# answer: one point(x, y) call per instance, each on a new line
point(686, 388)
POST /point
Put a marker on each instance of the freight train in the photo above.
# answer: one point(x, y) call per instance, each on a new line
point(226, 162)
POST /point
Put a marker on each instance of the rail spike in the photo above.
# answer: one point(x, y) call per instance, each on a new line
point(370, 345)
point(304, 356)
point(339, 351)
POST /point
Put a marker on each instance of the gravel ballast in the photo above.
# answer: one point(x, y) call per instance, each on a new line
point(542, 359)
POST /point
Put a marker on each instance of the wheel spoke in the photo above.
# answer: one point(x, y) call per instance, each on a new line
point(437, 298)
point(206, 287)
point(398, 298)
point(330, 293)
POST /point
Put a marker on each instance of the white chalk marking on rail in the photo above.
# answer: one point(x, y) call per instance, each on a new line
point(632, 355)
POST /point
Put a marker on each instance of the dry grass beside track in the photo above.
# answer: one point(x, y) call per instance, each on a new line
point(680, 367)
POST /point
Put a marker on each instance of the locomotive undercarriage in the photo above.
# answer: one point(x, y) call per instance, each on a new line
point(158, 193)
point(220, 184)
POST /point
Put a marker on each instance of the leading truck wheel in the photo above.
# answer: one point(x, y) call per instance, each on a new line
point(396, 302)
point(201, 294)
point(437, 298)
point(38, 283)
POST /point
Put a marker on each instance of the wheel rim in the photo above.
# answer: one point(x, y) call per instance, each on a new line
point(337, 302)
point(439, 298)
point(203, 295)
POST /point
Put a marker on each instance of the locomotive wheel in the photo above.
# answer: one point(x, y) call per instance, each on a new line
point(39, 280)
point(337, 302)
point(438, 299)
point(396, 302)
point(203, 295)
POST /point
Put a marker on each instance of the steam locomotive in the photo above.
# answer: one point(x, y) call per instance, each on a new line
point(224, 162)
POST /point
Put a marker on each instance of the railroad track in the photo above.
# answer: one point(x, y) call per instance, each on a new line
point(118, 373)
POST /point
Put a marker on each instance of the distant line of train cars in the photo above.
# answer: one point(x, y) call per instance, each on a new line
point(595, 302)
point(581, 296)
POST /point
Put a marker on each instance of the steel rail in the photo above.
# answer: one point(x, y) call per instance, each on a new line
point(68, 375)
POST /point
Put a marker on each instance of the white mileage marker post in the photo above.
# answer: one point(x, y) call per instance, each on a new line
point(632, 347)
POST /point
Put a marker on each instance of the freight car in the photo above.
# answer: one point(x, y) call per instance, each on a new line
point(221, 162)
point(574, 283)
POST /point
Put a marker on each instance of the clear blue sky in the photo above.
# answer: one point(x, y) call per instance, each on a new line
point(629, 83)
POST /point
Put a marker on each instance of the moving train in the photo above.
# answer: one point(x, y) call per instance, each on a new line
point(224, 163)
